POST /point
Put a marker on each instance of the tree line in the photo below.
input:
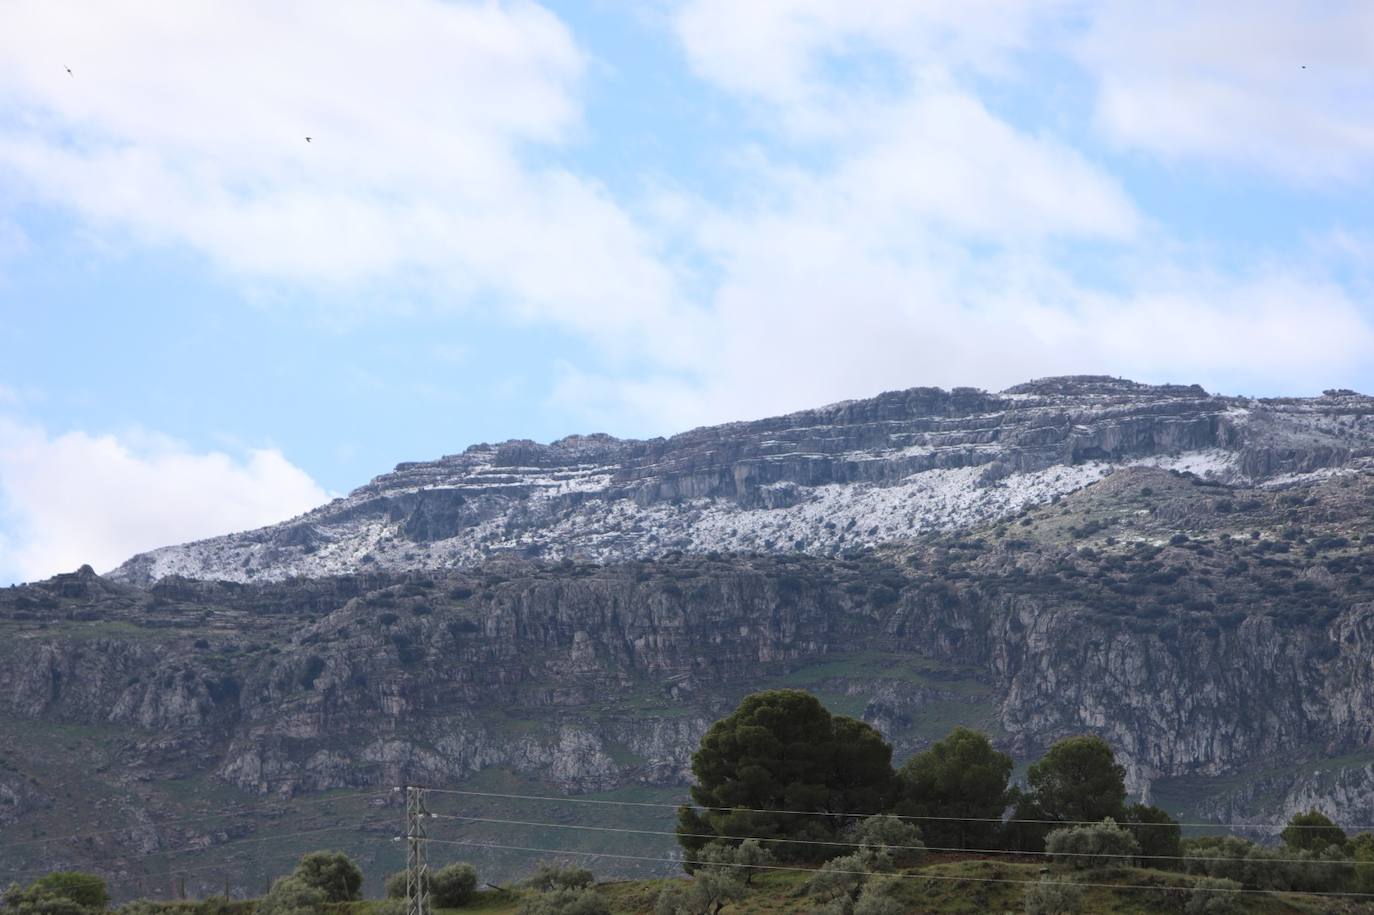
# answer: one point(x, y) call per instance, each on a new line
point(783, 770)
point(783, 782)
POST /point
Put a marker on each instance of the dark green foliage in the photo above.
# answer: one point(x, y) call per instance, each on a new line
point(1362, 850)
point(782, 750)
point(960, 776)
point(58, 893)
point(396, 885)
point(332, 873)
point(406, 651)
point(1079, 779)
point(1157, 834)
point(314, 666)
point(1312, 831)
point(453, 885)
point(82, 889)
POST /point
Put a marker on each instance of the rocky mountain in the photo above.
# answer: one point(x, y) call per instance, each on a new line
point(859, 473)
point(1190, 576)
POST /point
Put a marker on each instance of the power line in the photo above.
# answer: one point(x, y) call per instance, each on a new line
point(242, 811)
point(826, 813)
point(978, 851)
point(957, 878)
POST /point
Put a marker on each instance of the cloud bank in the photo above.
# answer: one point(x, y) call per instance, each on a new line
point(74, 498)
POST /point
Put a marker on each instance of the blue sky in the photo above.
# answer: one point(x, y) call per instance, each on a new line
point(517, 220)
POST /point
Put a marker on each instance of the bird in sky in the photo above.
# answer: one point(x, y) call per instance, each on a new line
point(307, 139)
point(69, 71)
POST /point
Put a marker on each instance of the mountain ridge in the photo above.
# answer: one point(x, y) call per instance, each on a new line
point(851, 474)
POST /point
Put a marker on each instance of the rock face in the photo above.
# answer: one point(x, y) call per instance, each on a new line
point(1190, 576)
point(853, 474)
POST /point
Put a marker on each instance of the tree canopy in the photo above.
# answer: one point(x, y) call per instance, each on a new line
point(333, 873)
point(1079, 779)
point(1312, 831)
point(1157, 833)
point(782, 750)
point(963, 777)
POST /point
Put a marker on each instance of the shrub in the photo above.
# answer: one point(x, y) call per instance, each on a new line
point(884, 839)
point(877, 899)
point(333, 873)
point(140, 907)
point(452, 885)
point(1255, 867)
point(841, 877)
point(292, 896)
point(745, 859)
point(1097, 845)
point(554, 876)
point(1053, 897)
point(83, 889)
point(314, 666)
point(709, 890)
point(22, 903)
point(674, 899)
point(52, 894)
point(1362, 849)
point(1213, 896)
point(564, 902)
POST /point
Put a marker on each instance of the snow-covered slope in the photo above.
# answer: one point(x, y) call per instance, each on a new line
point(820, 481)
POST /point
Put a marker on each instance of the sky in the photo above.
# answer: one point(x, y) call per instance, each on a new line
point(515, 220)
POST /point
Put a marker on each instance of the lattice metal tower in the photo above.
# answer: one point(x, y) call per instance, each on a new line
point(417, 860)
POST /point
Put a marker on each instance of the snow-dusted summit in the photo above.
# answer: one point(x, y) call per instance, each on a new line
point(852, 474)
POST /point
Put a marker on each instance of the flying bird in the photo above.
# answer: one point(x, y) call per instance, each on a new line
point(69, 71)
point(307, 139)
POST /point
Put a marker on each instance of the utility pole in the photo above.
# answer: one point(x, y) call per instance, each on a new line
point(417, 860)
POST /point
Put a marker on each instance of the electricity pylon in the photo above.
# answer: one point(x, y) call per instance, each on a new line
point(417, 856)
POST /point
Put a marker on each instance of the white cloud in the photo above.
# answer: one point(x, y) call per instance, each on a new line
point(184, 124)
point(935, 243)
point(1284, 86)
point(896, 229)
point(78, 498)
point(777, 50)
